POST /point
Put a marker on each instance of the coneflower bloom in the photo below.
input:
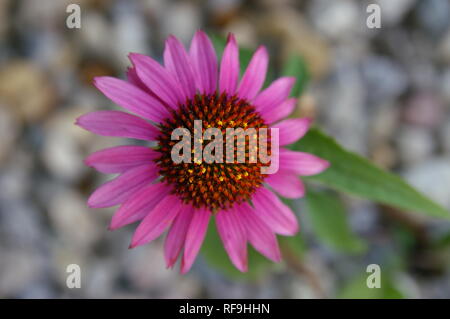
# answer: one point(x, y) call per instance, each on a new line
point(182, 198)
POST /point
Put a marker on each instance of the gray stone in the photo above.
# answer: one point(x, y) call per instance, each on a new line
point(432, 178)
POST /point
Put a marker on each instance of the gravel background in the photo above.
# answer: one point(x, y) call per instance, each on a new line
point(384, 93)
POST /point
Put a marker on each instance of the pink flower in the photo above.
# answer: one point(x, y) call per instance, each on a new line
point(160, 194)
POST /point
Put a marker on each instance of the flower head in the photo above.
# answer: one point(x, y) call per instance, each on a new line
point(183, 196)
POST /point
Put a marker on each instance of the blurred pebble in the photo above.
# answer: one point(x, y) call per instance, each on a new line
point(444, 48)
point(62, 157)
point(9, 131)
point(130, 34)
point(306, 107)
point(22, 225)
point(432, 178)
point(424, 109)
point(384, 122)
point(434, 15)
point(100, 278)
point(336, 19)
point(299, 288)
point(62, 152)
point(343, 107)
point(444, 84)
point(415, 144)
point(244, 31)
point(394, 11)
point(66, 209)
point(363, 216)
point(385, 78)
point(181, 19)
point(445, 137)
point(19, 269)
point(223, 12)
point(4, 18)
point(139, 260)
point(95, 35)
point(298, 37)
point(383, 155)
point(26, 90)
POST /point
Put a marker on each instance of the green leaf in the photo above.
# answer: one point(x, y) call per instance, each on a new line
point(295, 66)
point(295, 245)
point(329, 222)
point(216, 256)
point(353, 174)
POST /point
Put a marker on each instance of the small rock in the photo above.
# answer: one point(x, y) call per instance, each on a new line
point(67, 208)
point(383, 155)
point(100, 279)
point(384, 122)
point(22, 225)
point(444, 48)
point(394, 11)
point(415, 144)
point(434, 15)
point(18, 270)
point(182, 19)
point(445, 137)
point(342, 103)
point(27, 90)
point(9, 131)
point(384, 77)
point(139, 260)
point(445, 84)
point(298, 36)
point(432, 177)
point(424, 109)
point(130, 33)
point(64, 144)
point(337, 19)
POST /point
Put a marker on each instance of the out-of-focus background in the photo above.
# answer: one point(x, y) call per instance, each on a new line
point(383, 93)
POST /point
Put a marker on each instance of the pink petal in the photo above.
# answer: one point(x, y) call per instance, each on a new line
point(178, 63)
point(291, 130)
point(300, 163)
point(233, 235)
point(275, 94)
point(119, 159)
point(139, 205)
point(116, 123)
point(274, 213)
point(286, 184)
point(177, 234)
point(279, 111)
point(258, 233)
point(204, 61)
point(229, 67)
point(132, 98)
point(158, 80)
point(120, 188)
point(254, 76)
point(194, 238)
point(157, 221)
point(133, 78)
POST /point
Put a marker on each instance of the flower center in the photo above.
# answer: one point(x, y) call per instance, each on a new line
point(219, 184)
